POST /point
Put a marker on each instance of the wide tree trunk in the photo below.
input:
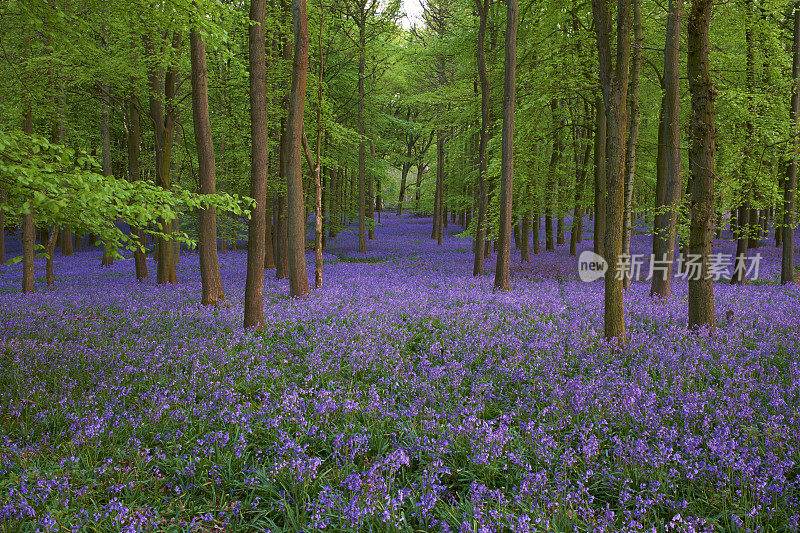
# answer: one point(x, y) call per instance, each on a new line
point(668, 165)
point(254, 283)
point(614, 85)
point(701, 163)
point(502, 279)
point(207, 218)
point(790, 183)
point(633, 130)
point(296, 227)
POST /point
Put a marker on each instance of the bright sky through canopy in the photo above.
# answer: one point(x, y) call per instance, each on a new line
point(413, 11)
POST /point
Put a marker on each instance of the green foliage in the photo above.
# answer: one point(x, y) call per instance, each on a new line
point(63, 187)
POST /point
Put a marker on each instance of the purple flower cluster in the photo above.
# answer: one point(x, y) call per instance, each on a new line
point(404, 395)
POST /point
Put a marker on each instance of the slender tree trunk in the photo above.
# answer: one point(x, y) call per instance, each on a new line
point(550, 193)
point(502, 280)
point(28, 227)
point(668, 166)
point(701, 163)
point(207, 218)
point(362, 230)
point(437, 196)
point(535, 237)
point(51, 252)
point(2, 230)
point(576, 233)
point(746, 219)
point(164, 129)
point(105, 138)
point(633, 131)
point(370, 214)
point(418, 195)
point(790, 183)
point(296, 228)
point(269, 234)
point(254, 284)
point(281, 209)
point(134, 174)
point(525, 230)
point(403, 177)
point(600, 138)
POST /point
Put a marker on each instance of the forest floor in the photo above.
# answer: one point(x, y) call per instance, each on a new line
point(405, 395)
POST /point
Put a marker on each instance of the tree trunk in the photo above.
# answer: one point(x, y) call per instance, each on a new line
point(745, 219)
point(576, 232)
point(701, 163)
point(105, 140)
point(164, 129)
point(403, 177)
point(615, 88)
point(28, 228)
point(370, 214)
point(502, 280)
point(633, 130)
point(51, 252)
point(269, 234)
point(254, 283)
point(418, 194)
point(2, 230)
point(362, 230)
point(437, 195)
point(296, 228)
point(790, 183)
point(525, 234)
point(600, 138)
point(207, 218)
point(668, 165)
point(134, 174)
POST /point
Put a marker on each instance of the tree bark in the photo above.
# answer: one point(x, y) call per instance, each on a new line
point(576, 232)
point(28, 227)
point(790, 183)
point(296, 227)
point(615, 88)
point(668, 166)
point(633, 130)
point(210, 275)
point(502, 280)
point(701, 163)
point(51, 252)
point(746, 220)
point(362, 230)
point(2, 230)
point(134, 174)
point(254, 283)
point(164, 129)
point(600, 138)
point(105, 140)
